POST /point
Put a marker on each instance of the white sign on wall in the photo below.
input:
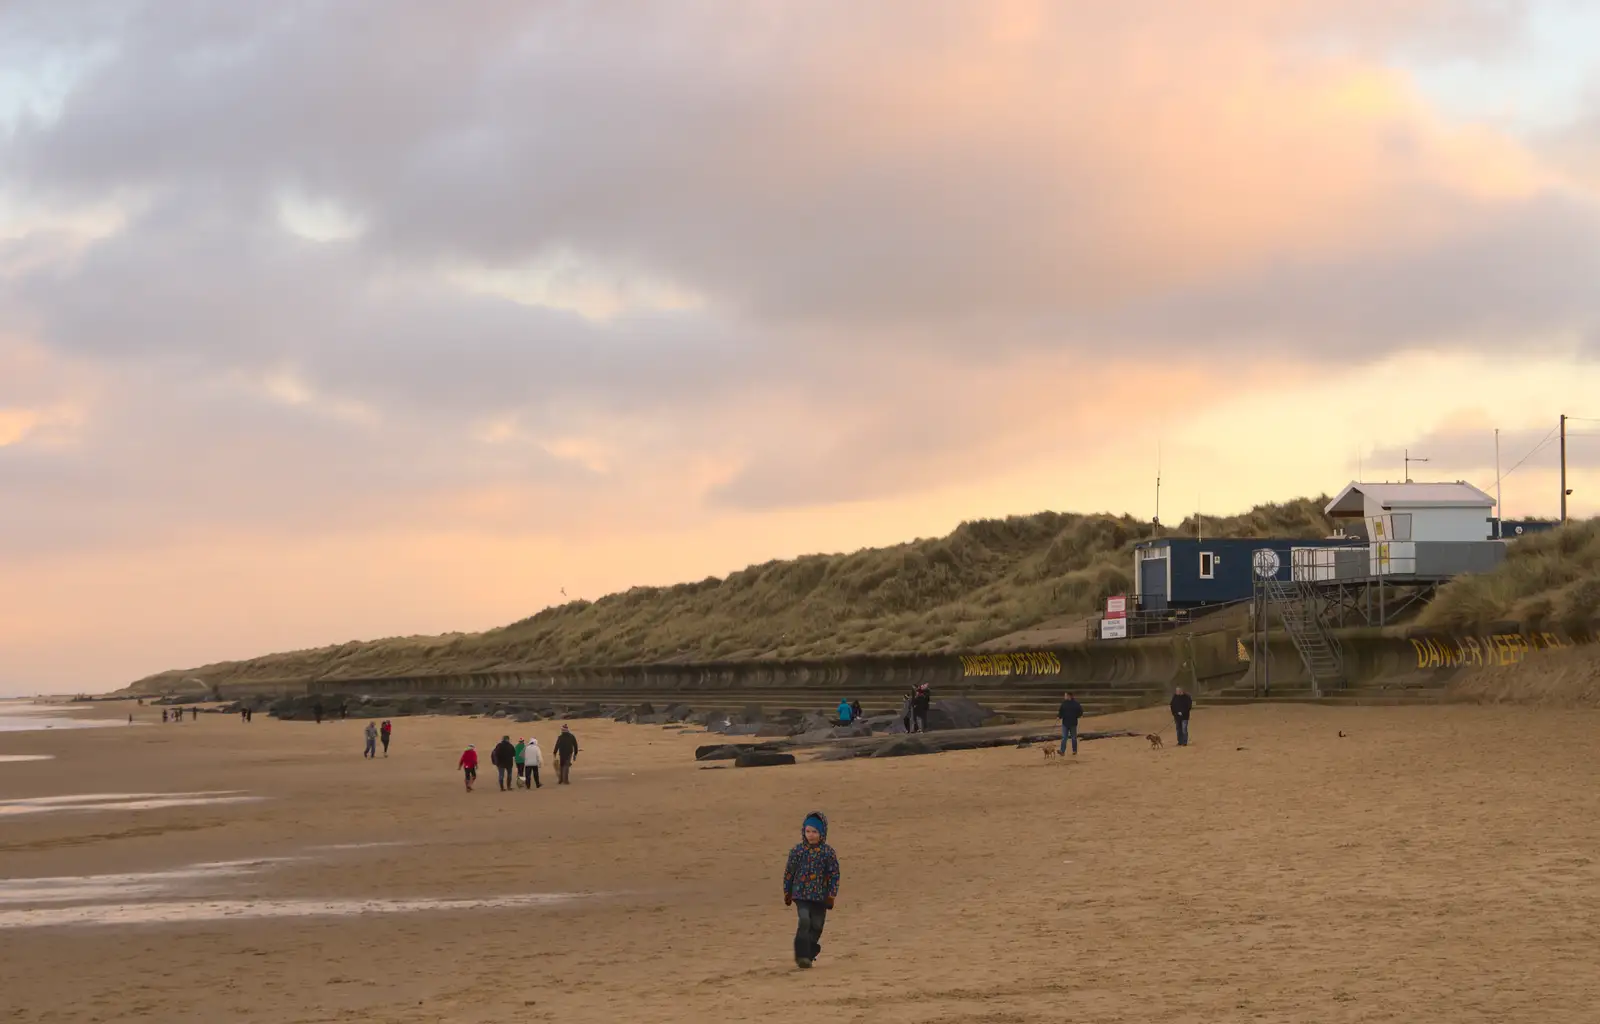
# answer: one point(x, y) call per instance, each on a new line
point(1113, 629)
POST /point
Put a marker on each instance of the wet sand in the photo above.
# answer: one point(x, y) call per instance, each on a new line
point(1435, 864)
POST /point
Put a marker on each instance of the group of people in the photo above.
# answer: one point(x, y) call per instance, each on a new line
point(849, 711)
point(518, 764)
point(1071, 712)
point(176, 714)
point(245, 714)
point(374, 733)
point(914, 712)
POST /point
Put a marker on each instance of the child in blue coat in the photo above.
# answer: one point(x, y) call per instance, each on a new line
point(810, 885)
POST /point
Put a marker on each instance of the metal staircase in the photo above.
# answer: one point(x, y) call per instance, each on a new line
point(1297, 605)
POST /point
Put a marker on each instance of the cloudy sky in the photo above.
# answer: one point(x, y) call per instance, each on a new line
point(332, 320)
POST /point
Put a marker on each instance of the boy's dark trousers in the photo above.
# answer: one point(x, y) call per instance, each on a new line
point(807, 938)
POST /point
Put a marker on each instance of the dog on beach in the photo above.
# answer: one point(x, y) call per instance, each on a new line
point(1050, 753)
point(1155, 741)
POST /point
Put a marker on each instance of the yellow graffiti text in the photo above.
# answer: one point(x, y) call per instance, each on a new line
point(1039, 663)
point(1496, 649)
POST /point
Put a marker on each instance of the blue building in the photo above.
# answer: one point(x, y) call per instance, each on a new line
point(1511, 529)
point(1187, 572)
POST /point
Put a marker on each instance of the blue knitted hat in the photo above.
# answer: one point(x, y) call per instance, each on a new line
point(818, 821)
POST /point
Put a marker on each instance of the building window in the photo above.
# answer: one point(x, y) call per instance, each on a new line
point(1208, 565)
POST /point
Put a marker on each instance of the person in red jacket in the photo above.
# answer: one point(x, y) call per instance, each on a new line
point(469, 765)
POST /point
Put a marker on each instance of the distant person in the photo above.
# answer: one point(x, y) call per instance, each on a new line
point(344, 711)
point(503, 757)
point(371, 749)
point(810, 885)
point(566, 754)
point(1069, 712)
point(920, 703)
point(522, 763)
point(383, 734)
point(905, 708)
point(316, 711)
point(194, 714)
point(163, 715)
point(533, 759)
point(846, 714)
point(469, 765)
point(1182, 705)
point(855, 711)
point(130, 719)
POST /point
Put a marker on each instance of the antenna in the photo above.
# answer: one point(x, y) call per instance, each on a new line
point(1158, 484)
point(1409, 460)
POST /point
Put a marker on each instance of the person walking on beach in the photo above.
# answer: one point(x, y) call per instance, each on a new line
point(194, 714)
point(1069, 712)
point(919, 708)
point(316, 711)
point(502, 757)
point(534, 757)
point(372, 741)
point(566, 753)
point(1182, 705)
point(522, 764)
point(469, 765)
point(810, 885)
point(383, 734)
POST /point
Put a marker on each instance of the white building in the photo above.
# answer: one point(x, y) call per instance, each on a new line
point(1416, 512)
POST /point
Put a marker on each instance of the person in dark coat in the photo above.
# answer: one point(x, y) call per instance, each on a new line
point(566, 753)
point(504, 759)
point(919, 709)
point(1069, 712)
point(1182, 705)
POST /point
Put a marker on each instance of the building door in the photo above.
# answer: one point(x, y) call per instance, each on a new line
point(1153, 583)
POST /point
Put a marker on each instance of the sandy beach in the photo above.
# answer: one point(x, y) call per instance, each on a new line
point(1433, 864)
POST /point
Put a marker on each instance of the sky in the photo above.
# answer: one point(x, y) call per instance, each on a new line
point(340, 320)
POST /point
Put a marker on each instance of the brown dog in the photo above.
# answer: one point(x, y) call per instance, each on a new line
point(1155, 741)
point(1049, 753)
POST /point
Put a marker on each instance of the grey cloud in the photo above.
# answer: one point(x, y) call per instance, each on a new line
point(808, 169)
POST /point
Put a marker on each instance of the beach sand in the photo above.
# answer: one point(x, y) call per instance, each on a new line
point(1435, 864)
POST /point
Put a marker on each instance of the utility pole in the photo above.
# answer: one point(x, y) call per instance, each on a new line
point(1564, 491)
point(1499, 509)
point(1409, 461)
point(1158, 485)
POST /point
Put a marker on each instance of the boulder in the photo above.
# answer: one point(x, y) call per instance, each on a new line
point(849, 731)
point(882, 723)
point(527, 716)
point(679, 713)
point(771, 729)
point(957, 713)
point(644, 708)
point(813, 722)
point(748, 730)
point(762, 759)
point(906, 746)
point(721, 751)
point(590, 710)
point(813, 737)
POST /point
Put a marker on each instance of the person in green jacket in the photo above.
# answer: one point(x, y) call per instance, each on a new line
point(522, 767)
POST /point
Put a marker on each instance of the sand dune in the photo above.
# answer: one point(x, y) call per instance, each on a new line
point(1434, 864)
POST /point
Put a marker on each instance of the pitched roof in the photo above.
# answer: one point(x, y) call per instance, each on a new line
point(1436, 495)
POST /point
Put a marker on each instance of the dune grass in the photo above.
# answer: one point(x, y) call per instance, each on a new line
point(985, 579)
point(1548, 581)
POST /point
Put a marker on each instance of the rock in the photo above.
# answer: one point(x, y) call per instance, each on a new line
point(590, 710)
point(679, 713)
point(751, 713)
point(813, 722)
point(721, 751)
point(905, 747)
point(957, 713)
point(849, 731)
point(814, 737)
point(772, 729)
point(881, 723)
point(645, 708)
point(498, 713)
point(747, 730)
point(527, 716)
point(762, 759)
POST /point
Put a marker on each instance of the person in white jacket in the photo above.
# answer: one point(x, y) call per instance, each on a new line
point(532, 758)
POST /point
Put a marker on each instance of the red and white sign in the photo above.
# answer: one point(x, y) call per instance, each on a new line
point(1117, 607)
